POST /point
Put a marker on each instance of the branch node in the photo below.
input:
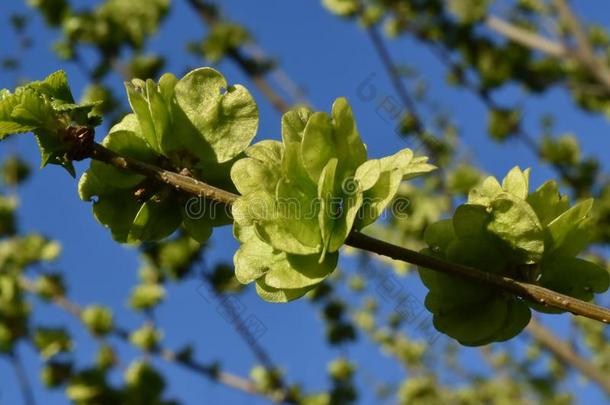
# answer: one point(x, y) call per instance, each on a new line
point(79, 142)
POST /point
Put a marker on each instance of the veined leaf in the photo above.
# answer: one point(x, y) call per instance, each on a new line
point(90, 186)
point(293, 125)
point(117, 212)
point(155, 220)
point(260, 170)
point(271, 294)
point(569, 233)
point(129, 123)
point(293, 167)
point(226, 117)
point(159, 112)
point(470, 221)
point(254, 258)
point(350, 205)
point(377, 198)
point(167, 86)
point(138, 99)
point(514, 221)
point(55, 86)
point(479, 252)
point(574, 277)
point(517, 317)
point(486, 193)
point(475, 324)
point(516, 182)
point(329, 206)
point(439, 235)
point(126, 144)
point(299, 271)
point(298, 211)
point(35, 111)
point(11, 128)
point(547, 202)
point(284, 231)
point(326, 138)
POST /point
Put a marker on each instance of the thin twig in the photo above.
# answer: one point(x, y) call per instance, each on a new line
point(584, 52)
point(402, 91)
point(524, 290)
point(261, 355)
point(526, 38)
point(284, 81)
point(184, 183)
point(485, 97)
point(567, 355)
point(238, 324)
point(358, 240)
point(22, 378)
point(258, 351)
point(209, 17)
point(394, 75)
point(208, 371)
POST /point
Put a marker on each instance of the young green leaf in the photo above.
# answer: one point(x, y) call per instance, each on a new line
point(547, 202)
point(138, 99)
point(517, 318)
point(516, 182)
point(376, 198)
point(329, 207)
point(484, 194)
point(301, 199)
point(439, 235)
point(574, 277)
point(516, 223)
point(127, 144)
point(225, 117)
point(260, 169)
point(155, 220)
point(271, 294)
point(569, 233)
point(327, 137)
point(199, 229)
point(470, 221)
point(116, 211)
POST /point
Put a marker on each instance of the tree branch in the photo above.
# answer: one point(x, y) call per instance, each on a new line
point(208, 15)
point(528, 140)
point(394, 76)
point(406, 99)
point(566, 354)
point(244, 333)
point(208, 371)
point(526, 38)
point(180, 182)
point(22, 378)
point(584, 52)
point(524, 290)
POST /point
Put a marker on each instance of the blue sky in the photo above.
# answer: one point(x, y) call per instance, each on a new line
point(329, 58)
